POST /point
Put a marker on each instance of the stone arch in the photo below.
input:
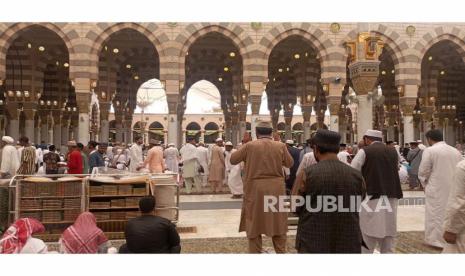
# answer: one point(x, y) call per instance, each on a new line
point(107, 30)
point(194, 31)
point(16, 29)
point(316, 37)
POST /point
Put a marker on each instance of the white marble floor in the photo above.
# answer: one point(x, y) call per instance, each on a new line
point(221, 223)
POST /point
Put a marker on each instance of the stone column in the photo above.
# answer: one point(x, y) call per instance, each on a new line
point(307, 114)
point(57, 128)
point(391, 133)
point(202, 136)
point(288, 127)
point(174, 125)
point(64, 132)
point(13, 119)
point(334, 109)
point(227, 130)
point(242, 125)
point(364, 115)
point(449, 137)
point(44, 128)
point(165, 137)
point(83, 102)
point(104, 108)
point(127, 131)
point(119, 131)
point(184, 136)
point(255, 101)
point(37, 132)
point(29, 124)
point(407, 102)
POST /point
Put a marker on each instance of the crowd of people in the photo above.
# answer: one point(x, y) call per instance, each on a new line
point(147, 233)
point(266, 167)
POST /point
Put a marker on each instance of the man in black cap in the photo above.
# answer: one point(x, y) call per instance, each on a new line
point(321, 230)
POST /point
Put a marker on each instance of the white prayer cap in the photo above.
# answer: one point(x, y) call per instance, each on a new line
point(374, 133)
point(290, 142)
point(8, 139)
point(171, 145)
point(219, 140)
point(419, 141)
point(228, 144)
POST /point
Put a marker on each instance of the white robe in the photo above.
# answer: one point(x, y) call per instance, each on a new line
point(136, 158)
point(203, 157)
point(436, 175)
point(190, 163)
point(171, 155)
point(233, 175)
point(454, 221)
point(343, 156)
point(10, 160)
point(379, 224)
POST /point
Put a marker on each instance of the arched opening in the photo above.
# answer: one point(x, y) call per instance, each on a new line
point(193, 130)
point(298, 133)
point(157, 131)
point(203, 97)
point(211, 133)
point(127, 60)
point(441, 102)
point(294, 74)
point(215, 58)
point(37, 82)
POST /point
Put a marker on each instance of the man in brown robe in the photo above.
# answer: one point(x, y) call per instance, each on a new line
point(263, 165)
point(217, 167)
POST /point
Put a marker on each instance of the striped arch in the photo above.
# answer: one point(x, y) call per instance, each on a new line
point(316, 37)
point(237, 34)
point(150, 30)
point(15, 30)
point(395, 46)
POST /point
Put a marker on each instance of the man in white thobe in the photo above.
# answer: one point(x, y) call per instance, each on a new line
point(233, 173)
point(135, 155)
point(454, 223)
point(436, 175)
point(343, 155)
point(10, 158)
point(190, 165)
point(203, 156)
point(379, 165)
point(171, 155)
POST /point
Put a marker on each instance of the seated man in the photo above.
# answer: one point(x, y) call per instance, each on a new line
point(149, 233)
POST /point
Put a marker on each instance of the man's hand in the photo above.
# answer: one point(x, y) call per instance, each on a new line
point(450, 237)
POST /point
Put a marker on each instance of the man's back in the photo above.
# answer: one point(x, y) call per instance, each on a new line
point(151, 234)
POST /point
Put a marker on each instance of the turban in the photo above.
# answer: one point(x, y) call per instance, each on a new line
point(8, 139)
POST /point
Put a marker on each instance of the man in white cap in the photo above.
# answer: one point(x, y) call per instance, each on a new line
point(379, 165)
point(171, 155)
point(233, 172)
point(135, 155)
point(436, 174)
point(190, 165)
point(216, 169)
point(10, 158)
point(203, 157)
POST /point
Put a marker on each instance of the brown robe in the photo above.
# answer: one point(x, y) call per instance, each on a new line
point(263, 165)
point(217, 168)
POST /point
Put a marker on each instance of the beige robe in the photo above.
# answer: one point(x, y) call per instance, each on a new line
point(217, 167)
point(264, 160)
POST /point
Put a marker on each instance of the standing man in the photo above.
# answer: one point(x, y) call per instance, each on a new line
point(96, 157)
point(51, 160)
point(74, 159)
point(379, 165)
point(233, 173)
point(190, 165)
point(295, 153)
point(135, 155)
point(28, 157)
point(10, 159)
point(171, 155)
point(454, 229)
point(154, 160)
point(85, 158)
point(337, 231)
point(216, 169)
point(307, 149)
point(203, 157)
point(264, 160)
point(414, 160)
point(436, 175)
point(343, 155)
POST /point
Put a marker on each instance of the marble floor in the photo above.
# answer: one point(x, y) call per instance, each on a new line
point(218, 216)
